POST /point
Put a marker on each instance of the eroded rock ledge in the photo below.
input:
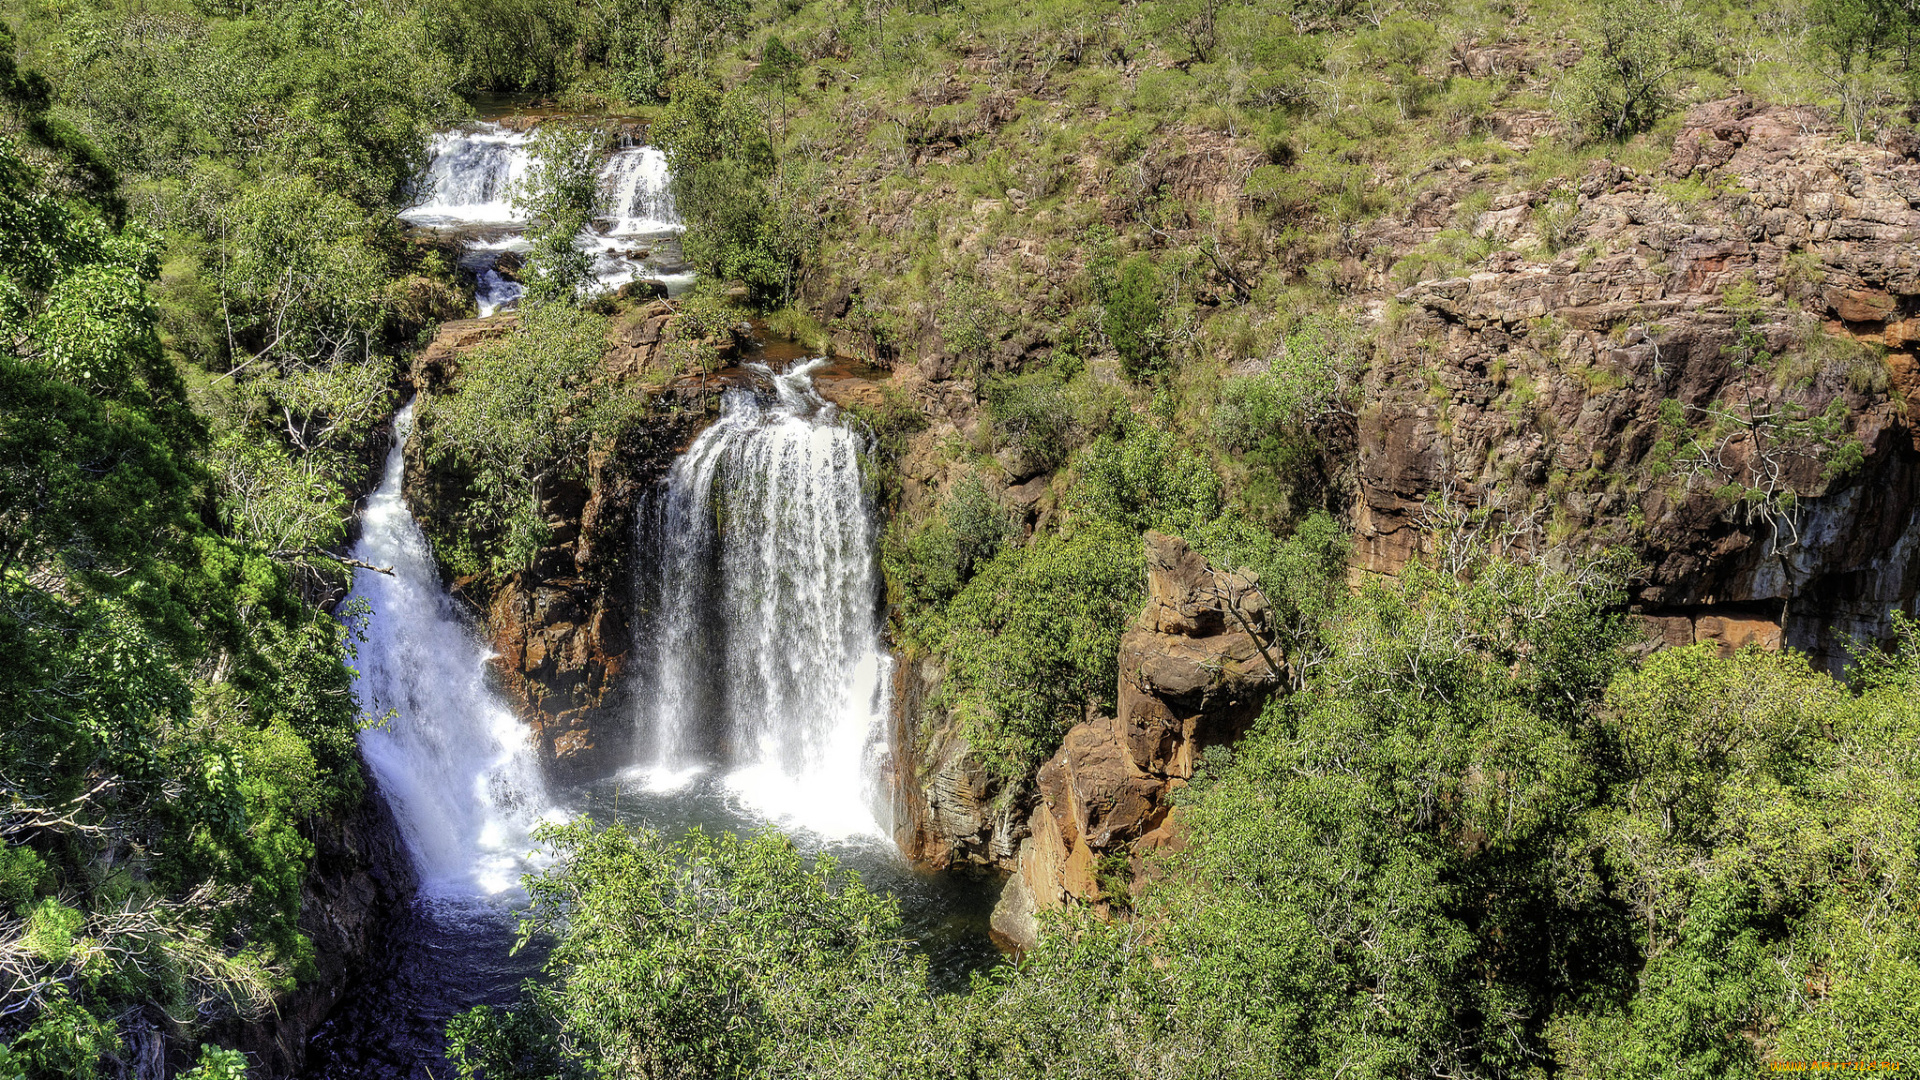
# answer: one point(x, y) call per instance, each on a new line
point(562, 628)
point(1546, 387)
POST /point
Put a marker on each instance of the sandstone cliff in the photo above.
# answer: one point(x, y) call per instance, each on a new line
point(1562, 390)
point(562, 628)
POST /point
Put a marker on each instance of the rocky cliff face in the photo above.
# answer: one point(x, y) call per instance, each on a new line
point(1712, 364)
point(1746, 288)
point(1193, 673)
point(563, 627)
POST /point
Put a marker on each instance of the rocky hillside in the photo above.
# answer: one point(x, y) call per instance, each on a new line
point(1706, 365)
point(1694, 323)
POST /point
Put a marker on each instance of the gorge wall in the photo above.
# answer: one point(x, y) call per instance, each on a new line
point(1639, 348)
point(1548, 389)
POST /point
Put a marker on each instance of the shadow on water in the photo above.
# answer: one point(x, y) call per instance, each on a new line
point(445, 956)
point(448, 955)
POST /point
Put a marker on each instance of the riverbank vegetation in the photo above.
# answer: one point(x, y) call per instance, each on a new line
point(175, 711)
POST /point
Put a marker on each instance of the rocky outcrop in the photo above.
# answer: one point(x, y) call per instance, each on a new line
point(947, 811)
point(1740, 291)
point(562, 628)
point(1194, 672)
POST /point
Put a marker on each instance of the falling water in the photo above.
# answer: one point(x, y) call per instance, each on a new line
point(470, 173)
point(766, 638)
point(468, 190)
point(454, 760)
point(635, 192)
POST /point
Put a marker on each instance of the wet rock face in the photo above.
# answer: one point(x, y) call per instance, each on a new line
point(947, 811)
point(1545, 387)
point(1192, 674)
point(562, 629)
point(360, 879)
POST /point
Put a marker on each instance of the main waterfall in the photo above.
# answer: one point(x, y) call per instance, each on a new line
point(768, 662)
point(454, 760)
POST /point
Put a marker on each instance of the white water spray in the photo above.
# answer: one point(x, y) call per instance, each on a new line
point(455, 762)
point(470, 173)
point(766, 636)
point(636, 193)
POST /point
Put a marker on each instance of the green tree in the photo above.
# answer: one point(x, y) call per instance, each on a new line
point(176, 711)
point(1848, 40)
point(1638, 48)
point(1132, 308)
point(560, 195)
point(713, 955)
point(1034, 639)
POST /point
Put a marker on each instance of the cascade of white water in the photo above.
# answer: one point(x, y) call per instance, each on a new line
point(768, 662)
point(635, 192)
point(455, 763)
point(469, 175)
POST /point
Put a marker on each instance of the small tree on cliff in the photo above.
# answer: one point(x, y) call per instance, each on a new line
point(1758, 451)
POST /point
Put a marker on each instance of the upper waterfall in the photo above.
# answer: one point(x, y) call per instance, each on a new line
point(470, 175)
point(767, 656)
point(468, 188)
point(635, 192)
point(455, 762)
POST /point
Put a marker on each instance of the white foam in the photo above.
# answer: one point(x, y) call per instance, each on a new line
point(766, 649)
point(455, 763)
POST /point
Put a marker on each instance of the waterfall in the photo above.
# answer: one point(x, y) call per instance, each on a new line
point(467, 187)
point(765, 634)
point(469, 172)
point(455, 762)
point(634, 184)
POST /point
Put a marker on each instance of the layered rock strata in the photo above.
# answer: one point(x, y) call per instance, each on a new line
point(1747, 287)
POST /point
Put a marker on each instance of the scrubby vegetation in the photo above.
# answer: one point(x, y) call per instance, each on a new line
point(1481, 840)
point(175, 712)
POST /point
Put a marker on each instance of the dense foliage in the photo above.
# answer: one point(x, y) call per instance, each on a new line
point(175, 712)
point(523, 419)
point(1480, 840)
